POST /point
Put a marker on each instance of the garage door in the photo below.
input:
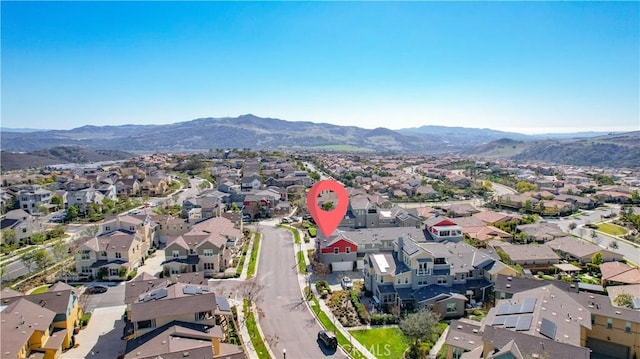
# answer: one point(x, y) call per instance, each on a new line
point(342, 266)
point(360, 264)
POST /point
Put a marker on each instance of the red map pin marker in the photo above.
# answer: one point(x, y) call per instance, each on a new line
point(328, 221)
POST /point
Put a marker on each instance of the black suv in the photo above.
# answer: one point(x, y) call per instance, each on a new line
point(328, 338)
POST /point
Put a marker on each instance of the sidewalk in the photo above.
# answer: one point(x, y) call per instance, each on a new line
point(242, 328)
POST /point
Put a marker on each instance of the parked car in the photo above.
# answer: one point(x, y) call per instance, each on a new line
point(286, 220)
point(328, 339)
point(96, 289)
point(347, 283)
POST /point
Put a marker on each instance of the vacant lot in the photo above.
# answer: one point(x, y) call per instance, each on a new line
point(382, 342)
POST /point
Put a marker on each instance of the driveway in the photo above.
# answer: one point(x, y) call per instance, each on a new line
point(287, 321)
point(101, 338)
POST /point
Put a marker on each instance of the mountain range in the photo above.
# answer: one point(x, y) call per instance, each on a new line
point(249, 131)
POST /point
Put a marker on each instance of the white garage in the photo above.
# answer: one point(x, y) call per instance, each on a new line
point(342, 266)
point(360, 264)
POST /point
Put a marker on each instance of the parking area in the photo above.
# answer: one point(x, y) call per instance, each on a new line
point(102, 337)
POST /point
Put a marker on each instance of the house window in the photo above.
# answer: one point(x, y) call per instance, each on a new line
point(406, 280)
point(452, 307)
point(442, 280)
point(208, 266)
point(174, 270)
point(593, 319)
point(627, 327)
point(398, 280)
point(132, 228)
point(107, 228)
point(207, 253)
point(85, 269)
point(85, 255)
point(103, 254)
point(609, 323)
point(114, 272)
point(143, 324)
point(336, 250)
point(192, 251)
point(203, 315)
point(348, 250)
point(118, 255)
point(175, 254)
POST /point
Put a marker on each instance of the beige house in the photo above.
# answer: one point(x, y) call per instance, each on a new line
point(153, 186)
point(110, 256)
point(202, 248)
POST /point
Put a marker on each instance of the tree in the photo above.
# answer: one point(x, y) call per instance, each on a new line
point(55, 199)
point(38, 238)
point(624, 299)
point(28, 259)
point(327, 206)
point(72, 213)
point(419, 326)
point(613, 244)
point(60, 252)
point(596, 258)
point(90, 231)
point(572, 226)
point(594, 234)
point(42, 258)
point(250, 290)
point(234, 207)
point(8, 236)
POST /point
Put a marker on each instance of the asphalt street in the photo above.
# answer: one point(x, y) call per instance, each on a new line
point(287, 321)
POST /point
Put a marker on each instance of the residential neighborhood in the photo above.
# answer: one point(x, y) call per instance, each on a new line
point(199, 255)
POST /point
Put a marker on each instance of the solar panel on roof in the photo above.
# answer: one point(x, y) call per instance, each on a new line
point(548, 329)
point(515, 308)
point(498, 321)
point(529, 305)
point(503, 309)
point(510, 322)
point(524, 322)
point(189, 289)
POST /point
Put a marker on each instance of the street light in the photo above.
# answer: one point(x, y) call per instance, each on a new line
point(284, 353)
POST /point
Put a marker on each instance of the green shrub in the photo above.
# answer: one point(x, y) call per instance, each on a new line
point(84, 320)
point(312, 231)
point(365, 318)
point(381, 319)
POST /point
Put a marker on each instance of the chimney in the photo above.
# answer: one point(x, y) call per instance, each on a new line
point(400, 244)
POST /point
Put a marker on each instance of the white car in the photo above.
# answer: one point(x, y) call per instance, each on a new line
point(347, 283)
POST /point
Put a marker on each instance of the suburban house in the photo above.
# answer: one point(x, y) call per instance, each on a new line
point(572, 249)
point(32, 197)
point(531, 256)
point(146, 228)
point(153, 186)
point(182, 339)
point(110, 256)
point(203, 248)
point(345, 250)
point(440, 229)
point(127, 186)
point(39, 325)
point(619, 273)
point(613, 331)
point(540, 232)
point(21, 222)
point(83, 198)
point(161, 303)
point(442, 276)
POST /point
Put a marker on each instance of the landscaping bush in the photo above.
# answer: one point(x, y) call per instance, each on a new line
point(381, 319)
point(323, 285)
point(84, 320)
point(312, 231)
point(365, 318)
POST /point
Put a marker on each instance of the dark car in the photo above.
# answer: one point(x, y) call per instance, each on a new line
point(96, 289)
point(328, 339)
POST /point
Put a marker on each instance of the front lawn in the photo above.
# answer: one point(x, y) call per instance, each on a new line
point(41, 289)
point(382, 342)
point(612, 229)
point(252, 328)
point(328, 324)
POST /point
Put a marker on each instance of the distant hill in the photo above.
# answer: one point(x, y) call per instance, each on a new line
point(247, 131)
point(57, 155)
point(615, 150)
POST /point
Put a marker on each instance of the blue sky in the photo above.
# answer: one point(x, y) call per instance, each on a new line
point(523, 66)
